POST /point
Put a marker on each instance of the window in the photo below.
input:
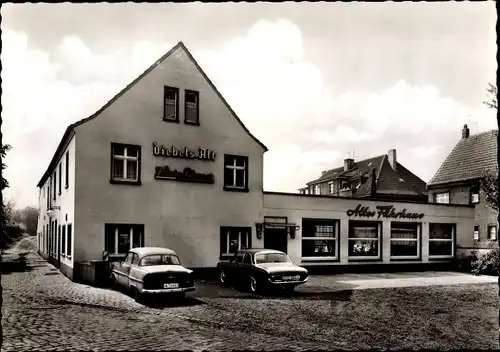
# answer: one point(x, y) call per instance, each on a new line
point(232, 239)
point(128, 258)
point(320, 239)
point(59, 239)
point(55, 184)
point(135, 259)
point(474, 195)
point(191, 108)
point(235, 172)
point(63, 239)
point(442, 198)
point(330, 187)
point(441, 240)
point(125, 163)
point(345, 186)
point(60, 178)
point(171, 106)
point(405, 240)
point(364, 239)
point(160, 259)
point(476, 233)
point(70, 234)
point(66, 166)
point(492, 232)
point(48, 196)
point(317, 190)
point(120, 238)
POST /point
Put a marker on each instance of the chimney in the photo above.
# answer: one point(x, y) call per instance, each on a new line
point(348, 164)
point(392, 159)
point(323, 172)
point(465, 132)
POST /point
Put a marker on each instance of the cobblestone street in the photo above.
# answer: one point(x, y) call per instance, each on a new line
point(43, 310)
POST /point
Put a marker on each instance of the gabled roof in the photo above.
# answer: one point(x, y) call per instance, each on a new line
point(360, 167)
point(70, 129)
point(470, 159)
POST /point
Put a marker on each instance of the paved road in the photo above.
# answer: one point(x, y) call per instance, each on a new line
point(43, 310)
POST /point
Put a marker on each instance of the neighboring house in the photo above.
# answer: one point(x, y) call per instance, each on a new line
point(356, 180)
point(458, 181)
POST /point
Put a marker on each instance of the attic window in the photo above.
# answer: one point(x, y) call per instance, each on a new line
point(171, 104)
point(191, 115)
point(474, 195)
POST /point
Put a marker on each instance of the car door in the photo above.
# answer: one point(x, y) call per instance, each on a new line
point(237, 268)
point(246, 267)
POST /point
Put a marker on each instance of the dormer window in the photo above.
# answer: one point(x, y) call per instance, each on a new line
point(345, 186)
point(474, 195)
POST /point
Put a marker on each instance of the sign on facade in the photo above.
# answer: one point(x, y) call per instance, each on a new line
point(185, 153)
point(187, 175)
point(383, 211)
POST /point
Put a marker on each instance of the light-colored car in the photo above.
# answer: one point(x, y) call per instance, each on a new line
point(152, 270)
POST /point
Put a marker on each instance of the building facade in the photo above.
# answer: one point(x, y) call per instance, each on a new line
point(168, 163)
point(380, 177)
point(458, 181)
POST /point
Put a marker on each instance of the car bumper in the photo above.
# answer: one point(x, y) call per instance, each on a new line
point(286, 283)
point(168, 290)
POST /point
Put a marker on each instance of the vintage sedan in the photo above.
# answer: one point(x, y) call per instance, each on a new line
point(152, 270)
point(262, 269)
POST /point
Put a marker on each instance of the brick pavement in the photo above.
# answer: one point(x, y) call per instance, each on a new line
point(50, 312)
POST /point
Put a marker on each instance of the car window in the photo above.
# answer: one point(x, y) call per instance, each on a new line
point(239, 257)
point(160, 259)
point(128, 258)
point(135, 259)
point(271, 258)
point(247, 259)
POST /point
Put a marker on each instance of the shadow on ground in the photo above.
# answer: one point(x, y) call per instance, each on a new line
point(167, 302)
point(14, 263)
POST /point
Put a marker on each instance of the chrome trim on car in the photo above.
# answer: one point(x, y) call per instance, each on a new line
point(137, 280)
point(170, 290)
point(281, 282)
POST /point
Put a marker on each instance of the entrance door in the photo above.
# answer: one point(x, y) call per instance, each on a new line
point(276, 238)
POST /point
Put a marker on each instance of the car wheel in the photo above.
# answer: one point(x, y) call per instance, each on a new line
point(222, 277)
point(136, 294)
point(289, 288)
point(253, 284)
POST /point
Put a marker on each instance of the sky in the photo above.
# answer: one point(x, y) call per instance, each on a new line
point(315, 82)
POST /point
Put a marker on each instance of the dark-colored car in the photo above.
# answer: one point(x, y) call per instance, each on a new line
point(152, 271)
point(262, 269)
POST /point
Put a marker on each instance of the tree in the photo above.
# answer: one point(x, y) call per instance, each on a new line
point(492, 101)
point(29, 218)
point(489, 187)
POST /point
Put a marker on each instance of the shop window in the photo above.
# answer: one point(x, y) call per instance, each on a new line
point(476, 233)
point(442, 198)
point(492, 232)
point(474, 195)
point(191, 108)
point(232, 239)
point(125, 163)
point(120, 238)
point(235, 173)
point(63, 240)
point(441, 240)
point(66, 166)
point(70, 240)
point(171, 104)
point(330, 187)
point(405, 240)
point(364, 239)
point(320, 239)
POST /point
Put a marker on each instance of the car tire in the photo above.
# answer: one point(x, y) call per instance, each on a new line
point(223, 277)
point(136, 294)
point(113, 283)
point(252, 284)
point(289, 288)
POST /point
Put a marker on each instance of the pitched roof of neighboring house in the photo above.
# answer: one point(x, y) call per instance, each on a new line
point(388, 181)
point(471, 157)
point(360, 167)
point(70, 130)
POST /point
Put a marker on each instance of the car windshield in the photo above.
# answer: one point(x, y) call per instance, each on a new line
point(160, 259)
point(271, 258)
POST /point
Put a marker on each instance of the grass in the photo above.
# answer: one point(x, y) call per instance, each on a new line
point(432, 317)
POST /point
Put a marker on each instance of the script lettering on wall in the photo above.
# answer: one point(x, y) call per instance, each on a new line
point(383, 211)
point(187, 175)
point(185, 153)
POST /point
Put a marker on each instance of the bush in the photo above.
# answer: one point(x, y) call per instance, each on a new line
point(465, 264)
point(10, 235)
point(486, 263)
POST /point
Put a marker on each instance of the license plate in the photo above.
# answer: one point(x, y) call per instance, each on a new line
point(170, 285)
point(291, 278)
